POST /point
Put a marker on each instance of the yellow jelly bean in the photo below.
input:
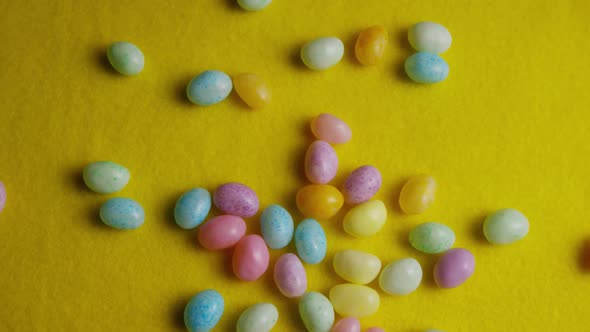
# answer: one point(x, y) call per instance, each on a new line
point(319, 201)
point(253, 90)
point(354, 300)
point(365, 219)
point(417, 194)
point(370, 45)
point(356, 266)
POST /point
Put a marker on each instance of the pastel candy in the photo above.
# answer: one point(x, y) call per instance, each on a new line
point(319, 201)
point(370, 45)
point(209, 87)
point(203, 311)
point(322, 53)
point(354, 300)
point(374, 329)
point(329, 128)
point(254, 5)
point(122, 213)
point(260, 317)
point(348, 324)
point(237, 199)
point(126, 58)
point(251, 258)
point(423, 67)
point(192, 208)
point(417, 194)
point(321, 162)
point(365, 219)
point(454, 268)
point(401, 277)
point(310, 241)
point(505, 226)
point(2, 196)
point(276, 225)
point(432, 238)
point(356, 266)
point(316, 312)
point(290, 276)
point(429, 37)
point(221, 232)
point(253, 90)
point(105, 177)
point(362, 184)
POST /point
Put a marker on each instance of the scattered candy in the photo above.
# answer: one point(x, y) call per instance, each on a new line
point(348, 324)
point(209, 87)
point(253, 90)
point(370, 45)
point(316, 312)
point(432, 238)
point(122, 213)
point(105, 177)
point(401, 277)
point(505, 226)
point(290, 276)
point(454, 268)
point(126, 58)
point(251, 258)
point(254, 5)
point(2, 196)
point(429, 37)
point(321, 162)
point(310, 241)
point(192, 208)
point(356, 266)
point(276, 225)
point(362, 184)
point(374, 329)
point(417, 194)
point(354, 300)
point(365, 219)
point(319, 201)
point(237, 199)
point(221, 232)
point(203, 311)
point(260, 317)
point(424, 67)
point(329, 128)
point(322, 53)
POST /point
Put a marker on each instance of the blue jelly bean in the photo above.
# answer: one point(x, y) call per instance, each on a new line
point(122, 213)
point(424, 67)
point(192, 208)
point(203, 311)
point(310, 241)
point(277, 227)
point(209, 87)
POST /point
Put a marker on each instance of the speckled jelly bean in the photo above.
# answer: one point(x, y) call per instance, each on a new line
point(365, 219)
point(260, 317)
point(310, 241)
point(505, 226)
point(251, 258)
point(374, 329)
point(319, 201)
point(204, 311)
point(370, 45)
point(424, 67)
point(237, 199)
point(321, 162)
point(122, 213)
point(221, 232)
point(253, 90)
point(209, 87)
point(348, 324)
point(354, 300)
point(432, 238)
point(126, 58)
point(2, 196)
point(290, 276)
point(322, 53)
point(362, 184)
point(417, 194)
point(429, 37)
point(356, 266)
point(192, 208)
point(316, 312)
point(254, 5)
point(401, 277)
point(276, 226)
point(105, 177)
point(454, 268)
point(329, 128)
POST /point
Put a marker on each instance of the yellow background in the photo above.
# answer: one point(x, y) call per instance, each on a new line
point(508, 128)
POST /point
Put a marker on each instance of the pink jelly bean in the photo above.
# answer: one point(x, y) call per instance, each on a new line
point(321, 162)
point(2, 195)
point(374, 329)
point(221, 232)
point(362, 184)
point(290, 276)
point(348, 324)
point(251, 258)
point(331, 129)
point(454, 268)
point(237, 199)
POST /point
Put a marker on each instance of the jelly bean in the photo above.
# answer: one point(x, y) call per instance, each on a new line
point(260, 317)
point(429, 37)
point(331, 129)
point(319, 201)
point(126, 58)
point(253, 90)
point(374, 329)
point(2, 196)
point(222, 232)
point(237, 199)
point(505, 226)
point(254, 5)
point(401, 277)
point(454, 268)
point(276, 225)
point(251, 258)
point(203, 311)
point(424, 67)
point(290, 276)
point(310, 241)
point(209, 87)
point(356, 266)
point(370, 45)
point(362, 184)
point(432, 238)
point(365, 219)
point(322, 53)
point(122, 213)
point(192, 208)
point(105, 177)
point(316, 312)
point(321, 162)
point(354, 300)
point(348, 324)
point(417, 194)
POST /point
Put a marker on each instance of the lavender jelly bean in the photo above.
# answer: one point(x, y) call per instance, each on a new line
point(2, 196)
point(362, 184)
point(454, 268)
point(236, 199)
point(321, 162)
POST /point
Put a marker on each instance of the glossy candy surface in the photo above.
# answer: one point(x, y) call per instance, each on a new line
point(432, 238)
point(454, 268)
point(221, 232)
point(322, 53)
point(362, 184)
point(126, 58)
point(319, 201)
point(505, 226)
point(254, 5)
point(290, 276)
point(354, 300)
point(321, 162)
point(122, 213)
point(429, 37)
point(260, 317)
point(348, 324)
point(310, 241)
point(276, 225)
point(237, 199)
point(365, 219)
point(105, 177)
point(401, 277)
point(253, 90)
point(192, 208)
point(204, 311)
point(370, 45)
point(209, 87)
point(329, 128)
point(356, 266)
point(374, 329)
point(423, 67)
point(417, 194)
point(251, 258)
point(316, 311)
point(2, 196)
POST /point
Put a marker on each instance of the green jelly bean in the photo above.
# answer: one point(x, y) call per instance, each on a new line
point(105, 177)
point(317, 313)
point(126, 58)
point(505, 226)
point(260, 317)
point(432, 238)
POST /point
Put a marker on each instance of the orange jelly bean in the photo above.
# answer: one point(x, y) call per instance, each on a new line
point(319, 201)
point(253, 90)
point(417, 194)
point(370, 45)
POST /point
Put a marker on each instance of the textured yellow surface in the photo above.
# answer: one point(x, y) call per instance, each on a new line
point(508, 128)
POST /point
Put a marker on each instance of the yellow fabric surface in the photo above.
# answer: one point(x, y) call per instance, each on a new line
point(508, 128)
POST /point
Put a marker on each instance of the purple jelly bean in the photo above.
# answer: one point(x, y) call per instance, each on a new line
point(362, 184)
point(2, 195)
point(454, 268)
point(321, 162)
point(236, 199)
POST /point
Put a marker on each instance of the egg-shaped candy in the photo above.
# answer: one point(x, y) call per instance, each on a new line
point(290, 276)
point(221, 232)
point(126, 58)
point(354, 300)
point(362, 184)
point(316, 311)
point(356, 266)
point(276, 226)
point(209, 87)
point(251, 258)
point(365, 219)
point(253, 90)
point(432, 238)
point(454, 267)
point(322, 53)
point(105, 177)
point(237, 199)
point(370, 45)
point(122, 213)
point(204, 311)
point(424, 67)
point(254, 5)
point(319, 201)
point(192, 208)
point(321, 162)
point(331, 129)
point(417, 194)
point(348, 324)
point(429, 37)
point(2, 196)
point(260, 317)
point(401, 277)
point(310, 241)
point(505, 226)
